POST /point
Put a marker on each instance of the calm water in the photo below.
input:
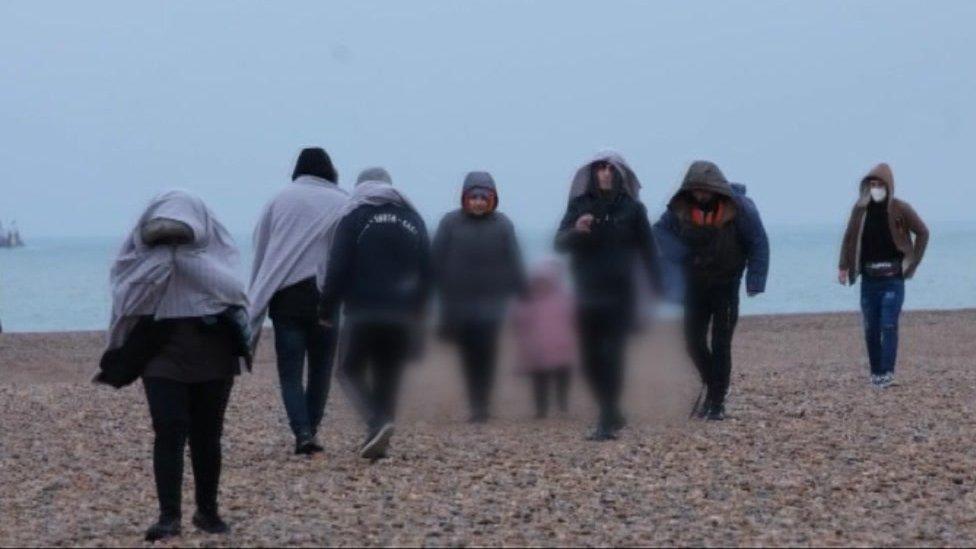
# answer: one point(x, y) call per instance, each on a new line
point(61, 284)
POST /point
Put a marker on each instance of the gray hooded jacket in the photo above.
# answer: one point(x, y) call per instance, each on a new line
point(476, 259)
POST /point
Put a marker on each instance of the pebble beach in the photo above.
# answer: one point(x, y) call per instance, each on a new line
point(810, 455)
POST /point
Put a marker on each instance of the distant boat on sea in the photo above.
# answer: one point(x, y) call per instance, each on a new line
point(11, 238)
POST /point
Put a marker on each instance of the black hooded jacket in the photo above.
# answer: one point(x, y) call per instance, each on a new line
point(603, 260)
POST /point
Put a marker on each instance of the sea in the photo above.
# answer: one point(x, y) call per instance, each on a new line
point(61, 284)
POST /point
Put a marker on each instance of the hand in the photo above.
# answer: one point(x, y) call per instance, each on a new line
point(842, 277)
point(752, 293)
point(327, 324)
point(584, 223)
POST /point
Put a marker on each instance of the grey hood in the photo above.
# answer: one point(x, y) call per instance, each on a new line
point(581, 180)
point(374, 187)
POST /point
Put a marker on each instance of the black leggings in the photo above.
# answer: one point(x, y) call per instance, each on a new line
point(716, 307)
point(541, 382)
point(603, 338)
point(180, 411)
point(478, 344)
point(380, 349)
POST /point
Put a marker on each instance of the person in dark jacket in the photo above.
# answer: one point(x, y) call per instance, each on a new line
point(714, 231)
point(291, 243)
point(178, 321)
point(884, 241)
point(605, 230)
point(478, 269)
point(379, 273)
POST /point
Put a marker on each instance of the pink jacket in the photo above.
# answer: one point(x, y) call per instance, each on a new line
point(545, 328)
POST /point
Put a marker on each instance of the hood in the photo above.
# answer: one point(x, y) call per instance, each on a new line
point(883, 173)
point(375, 188)
point(479, 180)
point(703, 175)
point(582, 180)
point(376, 174)
point(315, 161)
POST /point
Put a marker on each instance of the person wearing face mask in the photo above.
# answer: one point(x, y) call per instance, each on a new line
point(607, 235)
point(714, 232)
point(884, 242)
point(477, 270)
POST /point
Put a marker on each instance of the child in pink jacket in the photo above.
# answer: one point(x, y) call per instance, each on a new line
point(545, 334)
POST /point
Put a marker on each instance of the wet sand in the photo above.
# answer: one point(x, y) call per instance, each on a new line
point(811, 454)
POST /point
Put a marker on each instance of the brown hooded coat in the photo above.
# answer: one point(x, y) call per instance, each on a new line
point(902, 220)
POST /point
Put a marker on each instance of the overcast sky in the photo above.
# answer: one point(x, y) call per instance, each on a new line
point(104, 104)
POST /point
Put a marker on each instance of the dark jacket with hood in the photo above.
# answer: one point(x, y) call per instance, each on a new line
point(379, 263)
point(903, 223)
point(718, 253)
point(476, 259)
point(604, 261)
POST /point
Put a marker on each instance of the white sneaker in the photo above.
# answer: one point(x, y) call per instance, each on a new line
point(876, 380)
point(887, 380)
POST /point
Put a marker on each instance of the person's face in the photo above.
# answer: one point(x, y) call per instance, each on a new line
point(478, 202)
point(604, 176)
point(703, 197)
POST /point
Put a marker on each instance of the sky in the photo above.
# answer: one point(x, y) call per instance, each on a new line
point(104, 104)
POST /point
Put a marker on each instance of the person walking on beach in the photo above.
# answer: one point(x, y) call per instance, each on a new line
point(477, 269)
point(605, 230)
point(884, 242)
point(179, 321)
point(379, 273)
point(291, 243)
point(714, 231)
point(545, 333)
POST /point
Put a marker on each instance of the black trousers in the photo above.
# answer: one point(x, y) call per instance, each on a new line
point(478, 344)
point(374, 355)
point(714, 308)
point(180, 411)
point(603, 342)
point(545, 382)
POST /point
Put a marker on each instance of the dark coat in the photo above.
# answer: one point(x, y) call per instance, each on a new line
point(379, 265)
point(604, 261)
point(740, 228)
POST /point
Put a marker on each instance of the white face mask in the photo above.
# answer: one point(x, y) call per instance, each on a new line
point(878, 193)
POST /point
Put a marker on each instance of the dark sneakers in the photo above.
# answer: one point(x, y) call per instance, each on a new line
point(165, 528)
point(307, 445)
point(210, 523)
point(601, 434)
point(716, 412)
point(377, 443)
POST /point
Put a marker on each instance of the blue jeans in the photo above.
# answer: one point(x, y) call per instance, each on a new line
point(296, 338)
point(881, 301)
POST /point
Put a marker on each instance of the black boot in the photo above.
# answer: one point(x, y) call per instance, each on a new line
point(166, 527)
point(210, 523)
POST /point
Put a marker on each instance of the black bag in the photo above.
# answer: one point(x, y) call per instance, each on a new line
point(882, 269)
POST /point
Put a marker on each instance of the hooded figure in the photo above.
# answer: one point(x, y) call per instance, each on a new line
point(197, 278)
point(292, 238)
point(379, 274)
point(607, 235)
point(291, 244)
point(477, 270)
point(712, 233)
point(903, 223)
point(178, 321)
point(879, 245)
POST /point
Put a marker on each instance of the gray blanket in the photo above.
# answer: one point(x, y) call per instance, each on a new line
point(292, 240)
point(195, 279)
